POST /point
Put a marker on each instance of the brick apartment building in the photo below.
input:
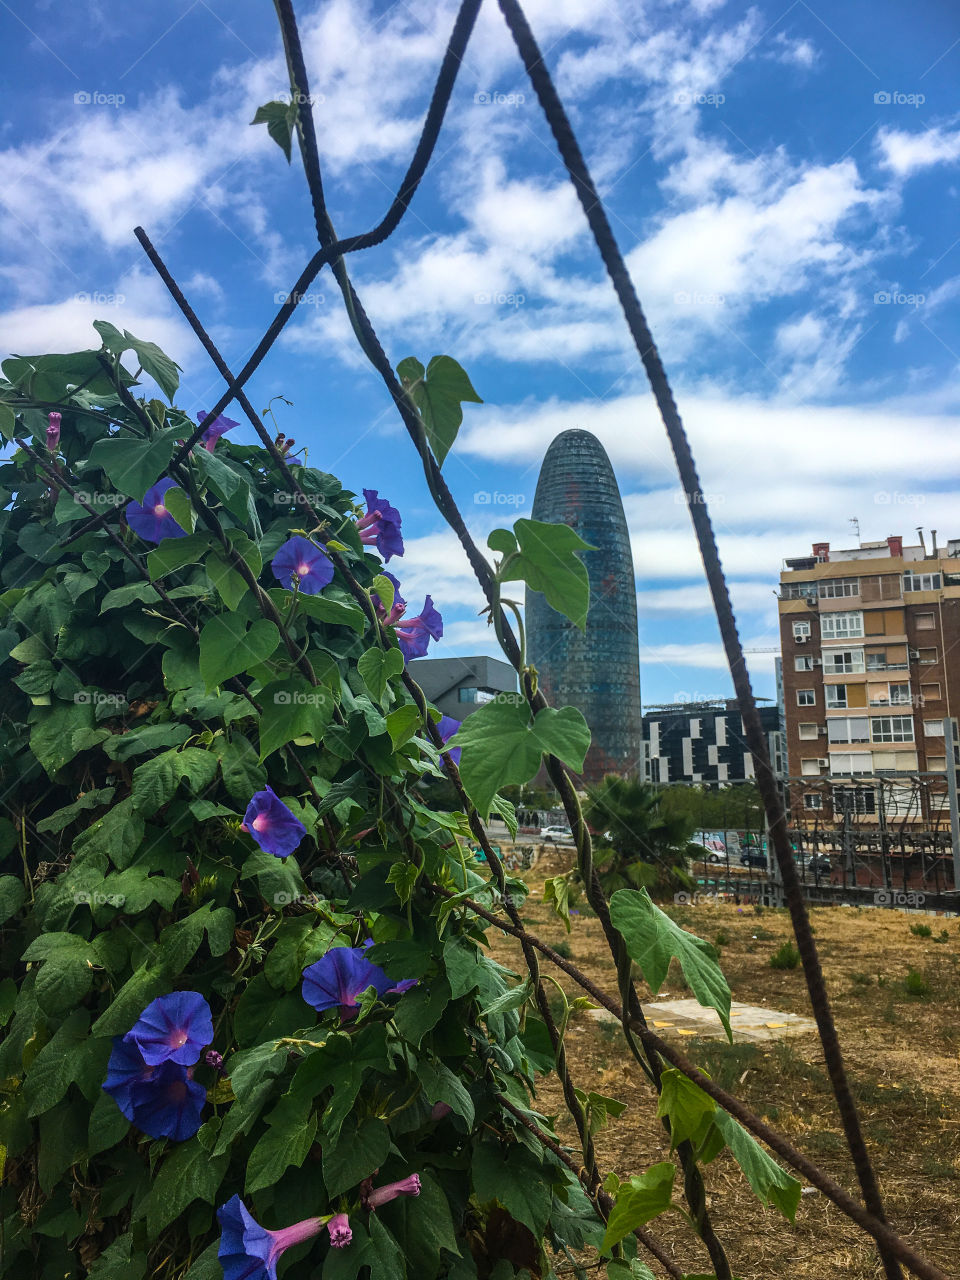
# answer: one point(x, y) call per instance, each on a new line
point(870, 643)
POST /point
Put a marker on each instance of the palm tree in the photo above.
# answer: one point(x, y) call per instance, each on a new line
point(638, 846)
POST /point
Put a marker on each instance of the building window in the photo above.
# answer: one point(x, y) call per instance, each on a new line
point(937, 763)
point(877, 661)
point(808, 731)
point(812, 800)
point(927, 657)
point(695, 727)
point(836, 626)
point(806, 698)
point(921, 582)
point(797, 590)
point(892, 728)
point(924, 621)
point(801, 630)
point(803, 663)
point(841, 662)
point(480, 696)
point(931, 691)
point(848, 729)
point(900, 695)
point(844, 763)
point(833, 588)
point(854, 800)
point(933, 728)
point(810, 768)
point(836, 695)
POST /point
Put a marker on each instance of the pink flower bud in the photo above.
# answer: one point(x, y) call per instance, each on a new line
point(53, 433)
point(340, 1233)
point(383, 1195)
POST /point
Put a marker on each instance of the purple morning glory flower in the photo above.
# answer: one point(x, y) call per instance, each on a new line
point(173, 1028)
point(251, 1252)
point(383, 1195)
point(337, 979)
point(275, 829)
point(381, 525)
point(340, 1233)
point(298, 559)
point(447, 727)
point(217, 428)
point(414, 634)
point(53, 434)
point(163, 1101)
point(151, 519)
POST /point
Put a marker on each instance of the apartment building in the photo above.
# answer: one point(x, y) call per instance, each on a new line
point(870, 644)
point(703, 742)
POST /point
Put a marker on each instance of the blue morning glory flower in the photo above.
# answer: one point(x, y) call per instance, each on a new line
point(340, 977)
point(163, 1101)
point(275, 829)
point(251, 1252)
point(151, 519)
point(175, 1028)
point(302, 564)
point(414, 634)
point(447, 727)
point(381, 525)
point(217, 428)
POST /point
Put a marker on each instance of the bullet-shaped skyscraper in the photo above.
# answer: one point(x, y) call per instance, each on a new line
point(597, 671)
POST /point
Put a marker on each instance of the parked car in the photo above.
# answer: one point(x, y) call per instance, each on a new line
point(704, 853)
point(753, 858)
point(557, 835)
point(814, 864)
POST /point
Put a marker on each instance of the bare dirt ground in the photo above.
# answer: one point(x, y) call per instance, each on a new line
point(896, 1000)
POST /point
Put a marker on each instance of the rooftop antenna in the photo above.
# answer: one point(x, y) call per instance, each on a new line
point(856, 526)
point(923, 545)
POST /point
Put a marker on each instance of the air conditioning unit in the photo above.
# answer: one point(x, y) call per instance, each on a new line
point(914, 655)
point(824, 763)
point(817, 662)
point(801, 639)
point(822, 729)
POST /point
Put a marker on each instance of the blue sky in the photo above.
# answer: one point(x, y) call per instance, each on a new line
point(783, 181)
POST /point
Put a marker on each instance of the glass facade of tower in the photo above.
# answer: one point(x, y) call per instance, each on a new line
point(597, 671)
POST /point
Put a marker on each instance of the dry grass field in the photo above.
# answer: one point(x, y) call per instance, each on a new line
point(896, 999)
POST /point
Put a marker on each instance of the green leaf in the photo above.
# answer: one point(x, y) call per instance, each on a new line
point(55, 1066)
point(134, 465)
point(289, 1137)
point(376, 666)
point(557, 891)
point(384, 589)
point(116, 1263)
point(618, 1269)
point(227, 581)
point(421, 1008)
point(327, 608)
point(389, 1257)
point(13, 894)
point(188, 1173)
point(437, 395)
point(358, 1152)
point(770, 1183)
point(402, 724)
point(153, 361)
point(424, 1226)
point(547, 562)
point(638, 1201)
point(599, 1108)
point(281, 121)
point(227, 647)
point(440, 1084)
point(118, 834)
point(179, 506)
point(174, 553)
point(653, 939)
point(501, 744)
point(689, 1110)
point(507, 811)
point(293, 707)
point(515, 1177)
point(403, 876)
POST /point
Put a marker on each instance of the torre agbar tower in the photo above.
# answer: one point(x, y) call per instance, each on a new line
point(597, 671)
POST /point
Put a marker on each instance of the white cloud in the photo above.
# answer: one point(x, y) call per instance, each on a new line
point(906, 153)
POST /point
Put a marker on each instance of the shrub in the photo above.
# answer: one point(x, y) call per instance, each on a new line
point(915, 984)
point(786, 956)
point(921, 930)
point(562, 948)
point(721, 938)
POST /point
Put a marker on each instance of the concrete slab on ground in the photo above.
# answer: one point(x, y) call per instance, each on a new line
point(749, 1022)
